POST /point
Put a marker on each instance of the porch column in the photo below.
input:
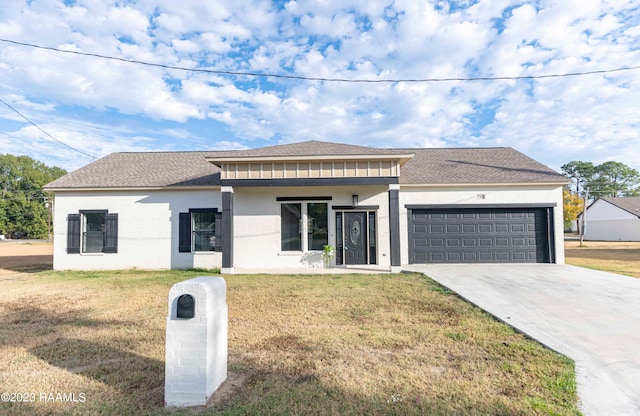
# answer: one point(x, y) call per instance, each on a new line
point(394, 226)
point(227, 229)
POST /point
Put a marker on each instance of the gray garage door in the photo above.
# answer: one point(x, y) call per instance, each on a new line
point(479, 235)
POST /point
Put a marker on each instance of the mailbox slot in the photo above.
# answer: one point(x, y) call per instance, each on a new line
point(186, 308)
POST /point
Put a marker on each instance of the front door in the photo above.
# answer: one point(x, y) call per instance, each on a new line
point(355, 238)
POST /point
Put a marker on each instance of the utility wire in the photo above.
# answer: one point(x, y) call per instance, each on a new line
point(45, 132)
point(303, 78)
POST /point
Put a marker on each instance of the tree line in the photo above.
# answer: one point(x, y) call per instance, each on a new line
point(590, 182)
point(24, 205)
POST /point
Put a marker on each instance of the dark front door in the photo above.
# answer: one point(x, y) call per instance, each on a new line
point(355, 237)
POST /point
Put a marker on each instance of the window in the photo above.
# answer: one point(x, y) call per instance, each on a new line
point(290, 226)
point(93, 231)
point(93, 226)
point(198, 230)
point(317, 226)
point(297, 219)
point(204, 230)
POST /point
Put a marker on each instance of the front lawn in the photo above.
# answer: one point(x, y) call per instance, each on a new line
point(610, 256)
point(305, 345)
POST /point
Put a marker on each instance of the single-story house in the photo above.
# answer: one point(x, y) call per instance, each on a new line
point(278, 206)
point(613, 219)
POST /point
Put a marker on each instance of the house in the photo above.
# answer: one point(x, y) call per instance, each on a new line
point(278, 206)
point(613, 219)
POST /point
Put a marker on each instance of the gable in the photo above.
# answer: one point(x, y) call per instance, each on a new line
point(604, 209)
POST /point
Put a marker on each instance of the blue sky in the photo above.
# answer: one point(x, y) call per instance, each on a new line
point(101, 106)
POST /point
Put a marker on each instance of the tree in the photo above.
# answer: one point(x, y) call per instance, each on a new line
point(580, 173)
point(573, 205)
point(23, 209)
point(610, 179)
point(588, 182)
point(613, 179)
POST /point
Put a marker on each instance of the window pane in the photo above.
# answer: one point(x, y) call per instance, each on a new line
point(317, 226)
point(339, 238)
point(93, 226)
point(290, 216)
point(372, 238)
point(204, 231)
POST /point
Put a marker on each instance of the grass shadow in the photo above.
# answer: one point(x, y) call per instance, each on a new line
point(27, 264)
point(139, 378)
point(603, 254)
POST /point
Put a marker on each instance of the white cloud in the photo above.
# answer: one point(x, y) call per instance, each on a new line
point(555, 120)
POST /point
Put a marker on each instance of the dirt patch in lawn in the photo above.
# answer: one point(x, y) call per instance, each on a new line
point(611, 256)
point(25, 257)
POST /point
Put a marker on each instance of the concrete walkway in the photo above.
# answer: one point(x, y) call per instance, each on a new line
point(590, 316)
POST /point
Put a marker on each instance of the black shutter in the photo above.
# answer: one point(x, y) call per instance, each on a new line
point(111, 233)
point(219, 235)
point(73, 233)
point(184, 233)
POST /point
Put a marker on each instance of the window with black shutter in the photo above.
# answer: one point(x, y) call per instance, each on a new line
point(111, 233)
point(199, 230)
point(92, 231)
point(73, 233)
point(184, 233)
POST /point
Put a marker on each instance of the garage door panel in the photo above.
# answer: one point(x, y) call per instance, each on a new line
point(478, 235)
point(436, 228)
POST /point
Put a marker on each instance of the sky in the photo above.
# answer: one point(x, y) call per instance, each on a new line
point(82, 107)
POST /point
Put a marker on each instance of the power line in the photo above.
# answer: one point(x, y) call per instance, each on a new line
point(45, 132)
point(303, 78)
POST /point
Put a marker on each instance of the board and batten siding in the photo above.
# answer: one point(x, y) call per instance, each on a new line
point(311, 169)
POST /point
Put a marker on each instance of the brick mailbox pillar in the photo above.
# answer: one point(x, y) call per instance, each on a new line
point(196, 345)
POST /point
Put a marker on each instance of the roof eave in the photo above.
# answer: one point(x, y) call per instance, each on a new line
point(478, 184)
point(131, 188)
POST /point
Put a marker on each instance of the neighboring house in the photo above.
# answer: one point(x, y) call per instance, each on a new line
point(613, 219)
point(278, 206)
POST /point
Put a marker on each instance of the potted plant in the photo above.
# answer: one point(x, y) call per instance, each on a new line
point(328, 252)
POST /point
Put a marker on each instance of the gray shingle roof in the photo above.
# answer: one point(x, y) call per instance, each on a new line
point(312, 148)
point(143, 170)
point(475, 166)
point(628, 203)
point(428, 166)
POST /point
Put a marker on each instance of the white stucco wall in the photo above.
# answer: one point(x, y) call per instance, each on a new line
point(613, 230)
point(147, 229)
point(602, 210)
point(148, 222)
point(257, 224)
point(492, 195)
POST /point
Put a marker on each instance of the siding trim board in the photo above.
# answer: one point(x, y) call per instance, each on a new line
point(456, 206)
point(383, 180)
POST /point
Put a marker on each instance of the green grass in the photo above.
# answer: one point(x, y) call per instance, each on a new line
point(298, 345)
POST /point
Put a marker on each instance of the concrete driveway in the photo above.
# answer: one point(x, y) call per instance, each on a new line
point(590, 316)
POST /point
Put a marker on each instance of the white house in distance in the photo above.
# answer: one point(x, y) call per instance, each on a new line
point(278, 206)
point(613, 219)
